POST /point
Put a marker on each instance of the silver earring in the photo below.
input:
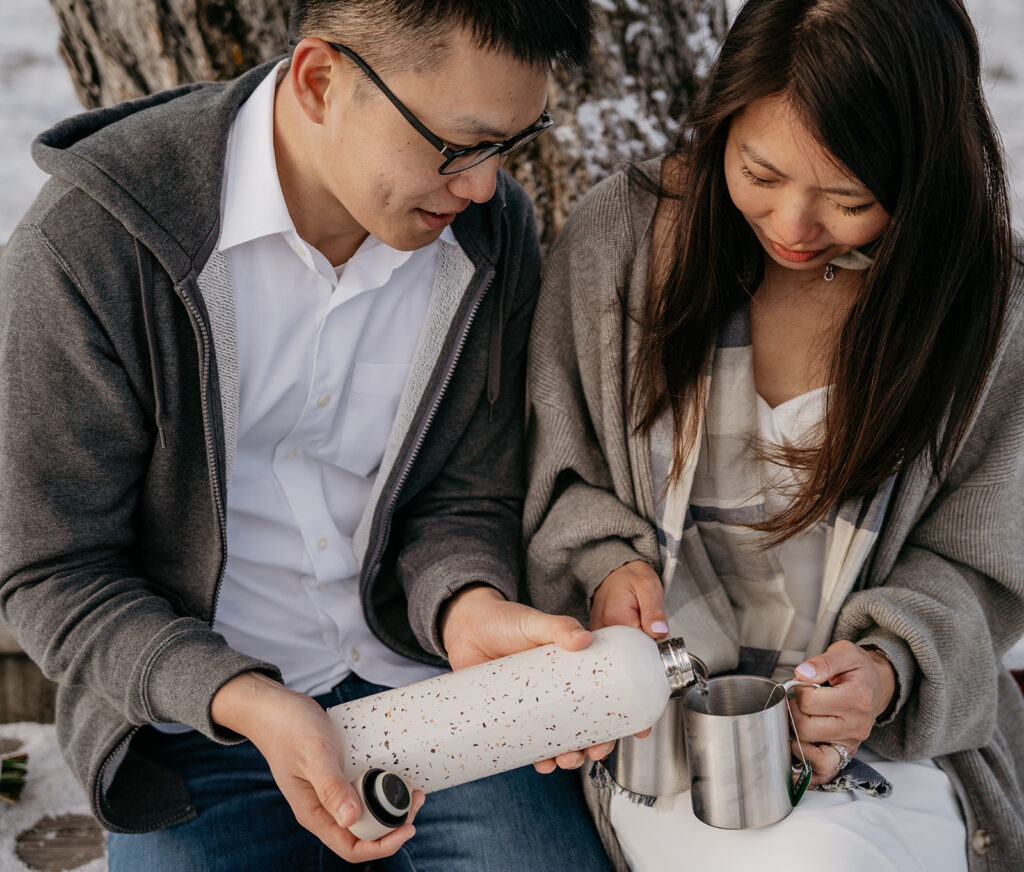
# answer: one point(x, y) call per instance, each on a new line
point(829, 273)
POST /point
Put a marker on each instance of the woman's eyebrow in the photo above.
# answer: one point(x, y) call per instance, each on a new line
point(758, 158)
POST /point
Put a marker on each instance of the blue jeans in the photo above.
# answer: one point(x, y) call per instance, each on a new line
point(518, 821)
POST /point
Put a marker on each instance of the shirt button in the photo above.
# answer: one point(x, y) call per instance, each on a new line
point(323, 586)
point(291, 454)
point(981, 841)
point(354, 655)
point(324, 400)
point(322, 543)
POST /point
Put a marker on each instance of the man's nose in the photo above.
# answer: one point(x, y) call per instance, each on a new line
point(477, 183)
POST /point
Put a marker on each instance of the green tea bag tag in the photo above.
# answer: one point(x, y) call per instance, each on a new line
point(798, 787)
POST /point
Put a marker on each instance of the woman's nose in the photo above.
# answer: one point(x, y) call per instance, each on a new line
point(795, 222)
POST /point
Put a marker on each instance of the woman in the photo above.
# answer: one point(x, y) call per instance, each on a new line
point(791, 352)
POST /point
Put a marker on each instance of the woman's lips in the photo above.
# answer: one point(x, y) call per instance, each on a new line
point(437, 220)
point(793, 256)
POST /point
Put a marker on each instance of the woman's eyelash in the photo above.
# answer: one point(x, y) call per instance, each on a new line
point(854, 210)
point(849, 211)
point(756, 181)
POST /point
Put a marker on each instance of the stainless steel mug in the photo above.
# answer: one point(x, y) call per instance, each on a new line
point(656, 764)
point(737, 744)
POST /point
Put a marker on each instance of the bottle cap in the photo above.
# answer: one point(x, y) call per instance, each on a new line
point(386, 800)
point(682, 669)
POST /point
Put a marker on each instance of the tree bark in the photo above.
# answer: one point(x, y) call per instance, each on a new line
point(648, 62)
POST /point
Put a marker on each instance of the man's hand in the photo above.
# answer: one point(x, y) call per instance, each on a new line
point(478, 624)
point(296, 737)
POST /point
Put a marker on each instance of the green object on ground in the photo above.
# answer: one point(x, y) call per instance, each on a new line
point(13, 772)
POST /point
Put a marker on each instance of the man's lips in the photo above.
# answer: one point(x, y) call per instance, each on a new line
point(793, 256)
point(437, 220)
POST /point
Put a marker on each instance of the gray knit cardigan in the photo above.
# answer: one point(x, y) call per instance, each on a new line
point(942, 595)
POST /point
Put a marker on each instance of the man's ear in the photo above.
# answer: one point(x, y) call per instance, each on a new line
point(314, 70)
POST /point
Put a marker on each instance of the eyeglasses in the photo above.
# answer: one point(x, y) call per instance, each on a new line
point(455, 159)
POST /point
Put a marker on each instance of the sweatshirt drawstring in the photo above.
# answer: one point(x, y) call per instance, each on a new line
point(494, 355)
point(148, 319)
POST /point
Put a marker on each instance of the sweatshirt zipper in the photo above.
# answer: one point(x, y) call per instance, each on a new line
point(211, 454)
point(384, 531)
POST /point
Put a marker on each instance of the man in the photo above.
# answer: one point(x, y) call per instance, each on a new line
point(260, 416)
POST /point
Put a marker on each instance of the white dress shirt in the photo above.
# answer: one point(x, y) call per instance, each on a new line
point(323, 357)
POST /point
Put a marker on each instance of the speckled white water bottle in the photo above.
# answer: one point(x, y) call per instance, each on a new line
point(513, 711)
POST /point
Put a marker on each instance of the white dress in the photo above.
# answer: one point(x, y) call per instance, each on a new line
point(918, 828)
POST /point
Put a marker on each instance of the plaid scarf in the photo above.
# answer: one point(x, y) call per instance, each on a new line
point(724, 595)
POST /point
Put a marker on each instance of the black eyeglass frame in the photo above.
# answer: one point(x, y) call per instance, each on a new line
point(484, 150)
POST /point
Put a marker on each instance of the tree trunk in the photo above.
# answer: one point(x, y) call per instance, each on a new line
point(647, 65)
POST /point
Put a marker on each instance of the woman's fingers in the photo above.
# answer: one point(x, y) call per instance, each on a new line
point(632, 596)
point(825, 759)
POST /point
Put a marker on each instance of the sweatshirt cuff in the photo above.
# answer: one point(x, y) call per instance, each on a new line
point(183, 676)
point(441, 582)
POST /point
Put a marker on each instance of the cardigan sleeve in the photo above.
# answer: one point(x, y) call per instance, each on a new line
point(581, 517)
point(952, 602)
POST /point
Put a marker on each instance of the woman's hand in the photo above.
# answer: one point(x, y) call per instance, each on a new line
point(631, 595)
point(303, 751)
point(479, 624)
point(861, 682)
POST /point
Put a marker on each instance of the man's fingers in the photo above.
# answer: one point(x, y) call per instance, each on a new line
point(358, 851)
point(539, 628)
point(339, 798)
point(570, 760)
point(387, 845)
point(599, 752)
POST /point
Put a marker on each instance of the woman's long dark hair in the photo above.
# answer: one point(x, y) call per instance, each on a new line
point(894, 92)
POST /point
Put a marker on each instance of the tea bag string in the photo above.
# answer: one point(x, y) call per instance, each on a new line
point(785, 696)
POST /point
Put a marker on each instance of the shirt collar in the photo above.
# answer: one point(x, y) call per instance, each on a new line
point(253, 202)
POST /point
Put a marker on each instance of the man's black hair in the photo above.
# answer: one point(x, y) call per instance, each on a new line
point(531, 31)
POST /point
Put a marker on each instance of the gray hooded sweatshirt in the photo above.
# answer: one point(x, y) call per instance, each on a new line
point(116, 436)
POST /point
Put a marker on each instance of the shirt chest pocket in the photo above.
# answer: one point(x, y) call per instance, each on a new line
point(369, 415)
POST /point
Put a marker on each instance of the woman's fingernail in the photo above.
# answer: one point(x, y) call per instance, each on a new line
point(659, 627)
point(806, 670)
point(576, 631)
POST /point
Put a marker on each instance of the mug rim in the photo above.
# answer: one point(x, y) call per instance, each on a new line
point(735, 679)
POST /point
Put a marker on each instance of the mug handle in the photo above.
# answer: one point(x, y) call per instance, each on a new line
point(796, 682)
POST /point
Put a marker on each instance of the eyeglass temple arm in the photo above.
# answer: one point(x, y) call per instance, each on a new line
point(386, 91)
